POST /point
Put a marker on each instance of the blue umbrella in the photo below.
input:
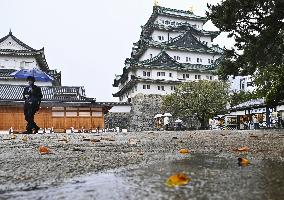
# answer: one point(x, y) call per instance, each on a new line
point(37, 73)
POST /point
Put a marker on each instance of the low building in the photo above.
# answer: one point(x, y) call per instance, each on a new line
point(62, 108)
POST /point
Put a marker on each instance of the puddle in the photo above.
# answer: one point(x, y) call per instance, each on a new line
point(212, 177)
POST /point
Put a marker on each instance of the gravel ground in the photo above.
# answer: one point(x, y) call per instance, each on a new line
point(22, 167)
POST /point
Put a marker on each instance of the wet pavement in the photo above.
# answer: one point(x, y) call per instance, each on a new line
point(212, 177)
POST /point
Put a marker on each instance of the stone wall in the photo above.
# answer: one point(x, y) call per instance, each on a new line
point(120, 119)
point(141, 117)
point(144, 108)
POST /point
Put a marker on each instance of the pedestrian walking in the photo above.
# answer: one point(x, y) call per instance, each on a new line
point(255, 123)
point(32, 96)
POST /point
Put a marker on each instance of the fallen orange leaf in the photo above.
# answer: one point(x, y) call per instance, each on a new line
point(43, 150)
point(95, 140)
point(177, 180)
point(243, 148)
point(184, 151)
point(243, 161)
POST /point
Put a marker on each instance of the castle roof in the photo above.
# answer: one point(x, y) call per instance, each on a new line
point(183, 27)
point(161, 61)
point(135, 79)
point(184, 42)
point(12, 46)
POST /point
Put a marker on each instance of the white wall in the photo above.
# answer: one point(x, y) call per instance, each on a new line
point(205, 39)
point(239, 83)
point(163, 19)
point(167, 35)
point(182, 54)
point(9, 43)
point(120, 109)
point(16, 62)
point(148, 52)
point(23, 82)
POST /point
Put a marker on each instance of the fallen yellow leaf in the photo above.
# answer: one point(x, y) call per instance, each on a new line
point(243, 148)
point(243, 161)
point(177, 180)
point(184, 151)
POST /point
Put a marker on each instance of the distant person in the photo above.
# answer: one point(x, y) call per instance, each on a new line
point(255, 122)
point(32, 96)
point(166, 123)
point(179, 124)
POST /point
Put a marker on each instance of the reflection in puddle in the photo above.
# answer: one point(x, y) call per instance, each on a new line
point(212, 177)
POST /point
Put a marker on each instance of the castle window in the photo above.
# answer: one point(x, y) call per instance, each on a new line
point(161, 74)
point(161, 37)
point(187, 59)
point(187, 75)
point(197, 60)
point(144, 73)
point(151, 55)
point(209, 61)
point(197, 76)
point(173, 23)
point(173, 87)
point(148, 74)
point(170, 74)
point(211, 77)
point(167, 22)
point(144, 87)
point(183, 76)
point(148, 86)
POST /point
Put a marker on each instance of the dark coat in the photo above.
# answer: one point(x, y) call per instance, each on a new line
point(34, 97)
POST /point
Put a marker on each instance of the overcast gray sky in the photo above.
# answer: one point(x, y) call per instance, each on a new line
point(87, 40)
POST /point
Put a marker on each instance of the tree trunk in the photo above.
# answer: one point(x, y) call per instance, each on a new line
point(204, 123)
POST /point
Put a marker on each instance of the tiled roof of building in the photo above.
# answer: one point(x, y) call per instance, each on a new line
point(185, 14)
point(250, 103)
point(164, 60)
point(135, 79)
point(184, 42)
point(4, 73)
point(50, 93)
point(187, 40)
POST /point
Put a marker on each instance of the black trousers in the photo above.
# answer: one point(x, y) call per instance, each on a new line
point(29, 111)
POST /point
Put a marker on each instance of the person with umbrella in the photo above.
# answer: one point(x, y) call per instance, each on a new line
point(32, 96)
